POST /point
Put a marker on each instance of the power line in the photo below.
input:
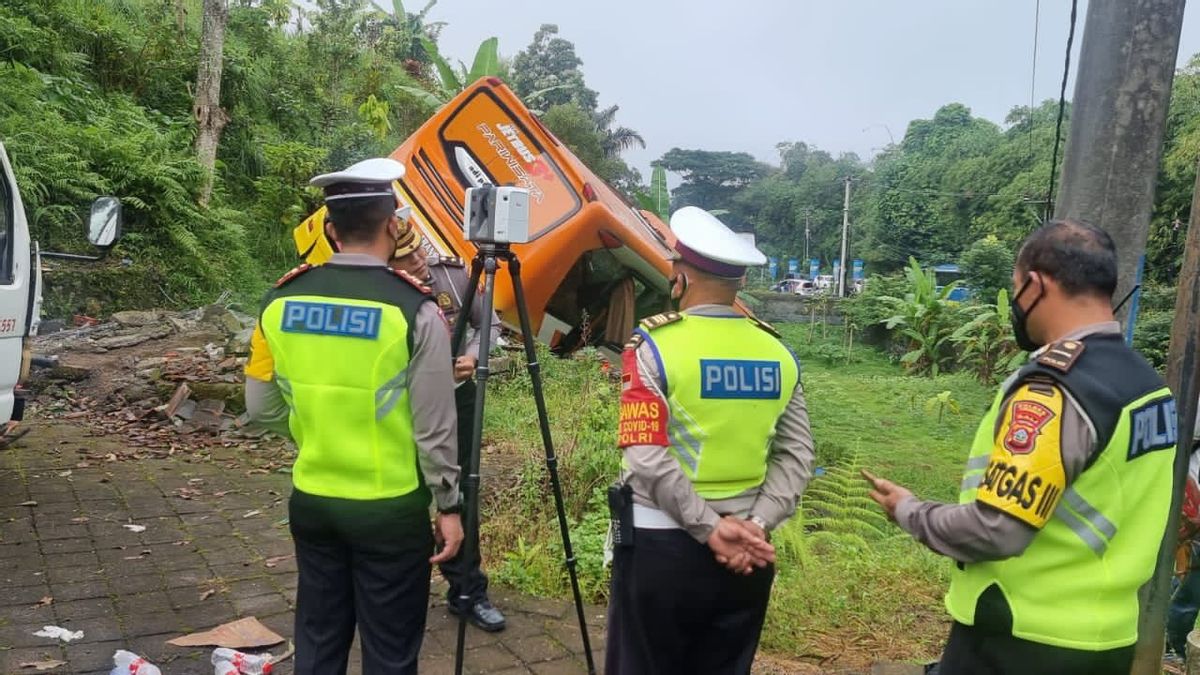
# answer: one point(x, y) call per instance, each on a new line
point(1037, 11)
point(1062, 106)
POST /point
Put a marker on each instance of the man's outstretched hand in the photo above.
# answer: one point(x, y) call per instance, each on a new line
point(736, 545)
point(887, 494)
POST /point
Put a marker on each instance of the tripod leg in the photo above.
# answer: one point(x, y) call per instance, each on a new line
point(471, 484)
point(535, 375)
point(460, 323)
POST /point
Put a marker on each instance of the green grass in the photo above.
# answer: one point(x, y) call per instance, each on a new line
point(850, 585)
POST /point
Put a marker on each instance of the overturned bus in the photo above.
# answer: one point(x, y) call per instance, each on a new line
point(595, 263)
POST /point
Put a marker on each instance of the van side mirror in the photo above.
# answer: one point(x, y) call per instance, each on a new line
point(104, 225)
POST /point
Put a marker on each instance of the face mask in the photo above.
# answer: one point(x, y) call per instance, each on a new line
point(1020, 318)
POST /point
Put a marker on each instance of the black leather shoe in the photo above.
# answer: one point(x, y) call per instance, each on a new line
point(483, 614)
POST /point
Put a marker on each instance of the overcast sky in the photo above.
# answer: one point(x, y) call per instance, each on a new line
point(746, 74)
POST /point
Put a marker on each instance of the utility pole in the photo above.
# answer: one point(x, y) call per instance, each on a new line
point(807, 217)
point(1118, 117)
point(1183, 376)
point(841, 280)
point(1109, 171)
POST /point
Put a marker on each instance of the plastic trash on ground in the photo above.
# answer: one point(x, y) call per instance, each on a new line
point(231, 662)
point(59, 633)
point(128, 663)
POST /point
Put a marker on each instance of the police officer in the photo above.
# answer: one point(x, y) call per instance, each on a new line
point(351, 360)
point(717, 451)
point(450, 284)
point(1067, 488)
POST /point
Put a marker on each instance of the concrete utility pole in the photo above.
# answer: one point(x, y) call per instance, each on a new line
point(807, 218)
point(1183, 376)
point(1118, 117)
point(841, 280)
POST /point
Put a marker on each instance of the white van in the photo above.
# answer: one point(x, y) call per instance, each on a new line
point(21, 277)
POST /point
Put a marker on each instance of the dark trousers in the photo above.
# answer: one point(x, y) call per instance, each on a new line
point(364, 562)
point(971, 651)
point(673, 609)
point(463, 575)
point(1185, 605)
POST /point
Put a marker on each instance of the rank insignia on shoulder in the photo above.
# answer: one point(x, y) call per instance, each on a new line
point(764, 325)
point(635, 340)
point(1062, 355)
point(293, 273)
point(452, 261)
point(660, 320)
point(413, 281)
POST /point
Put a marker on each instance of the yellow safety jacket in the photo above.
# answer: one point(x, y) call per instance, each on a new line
point(1076, 584)
point(338, 341)
point(728, 380)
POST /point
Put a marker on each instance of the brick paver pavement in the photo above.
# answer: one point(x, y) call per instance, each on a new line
point(211, 525)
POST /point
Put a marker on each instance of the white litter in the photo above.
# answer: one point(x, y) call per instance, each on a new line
point(134, 528)
point(59, 633)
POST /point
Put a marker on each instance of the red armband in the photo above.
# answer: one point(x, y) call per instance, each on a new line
point(643, 412)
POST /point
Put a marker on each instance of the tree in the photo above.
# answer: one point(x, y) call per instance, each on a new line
point(987, 267)
point(546, 73)
point(450, 83)
point(576, 128)
point(613, 142)
point(211, 118)
point(711, 179)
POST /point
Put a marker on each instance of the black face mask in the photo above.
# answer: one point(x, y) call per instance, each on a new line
point(1020, 318)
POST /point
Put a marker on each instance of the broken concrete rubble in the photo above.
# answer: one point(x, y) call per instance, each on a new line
point(152, 376)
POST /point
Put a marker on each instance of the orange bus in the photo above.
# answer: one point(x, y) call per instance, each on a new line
point(595, 263)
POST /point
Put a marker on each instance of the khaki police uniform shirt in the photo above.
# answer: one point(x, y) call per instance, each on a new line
point(976, 531)
point(430, 386)
point(451, 282)
point(659, 482)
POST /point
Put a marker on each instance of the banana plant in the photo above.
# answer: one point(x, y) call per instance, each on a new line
point(927, 317)
point(452, 81)
point(658, 199)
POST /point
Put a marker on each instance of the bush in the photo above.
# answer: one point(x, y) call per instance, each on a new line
point(987, 267)
point(927, 319)
point(1152, 336)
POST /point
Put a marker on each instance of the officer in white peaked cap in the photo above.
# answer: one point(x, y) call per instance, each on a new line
point(711, 470)
point(351, 360)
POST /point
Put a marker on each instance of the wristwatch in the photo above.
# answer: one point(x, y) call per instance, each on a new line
point(450, 510)
point(759, 522)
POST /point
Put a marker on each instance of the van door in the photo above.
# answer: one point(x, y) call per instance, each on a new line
point(16, 294)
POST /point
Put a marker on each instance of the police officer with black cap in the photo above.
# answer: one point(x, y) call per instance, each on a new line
point(351, 359)
point(717, 451)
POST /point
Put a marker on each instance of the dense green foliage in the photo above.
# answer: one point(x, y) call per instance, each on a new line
point(96, 98)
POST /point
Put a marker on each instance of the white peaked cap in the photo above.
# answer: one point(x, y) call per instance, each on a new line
point(368, 178)
point(706, 243)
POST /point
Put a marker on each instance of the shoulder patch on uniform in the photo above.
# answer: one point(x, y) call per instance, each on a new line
point(293, 273)
point(635, 340)
point(411, 280)
point(660, 320)
point(764, 325)
point(1062, 355)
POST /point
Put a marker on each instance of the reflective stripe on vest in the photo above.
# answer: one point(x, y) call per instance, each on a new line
point(342, 366)
point(728, 382)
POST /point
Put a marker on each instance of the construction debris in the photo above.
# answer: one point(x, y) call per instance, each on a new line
point(165, 381)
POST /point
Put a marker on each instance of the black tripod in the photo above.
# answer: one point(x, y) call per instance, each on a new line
point(486, 261)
